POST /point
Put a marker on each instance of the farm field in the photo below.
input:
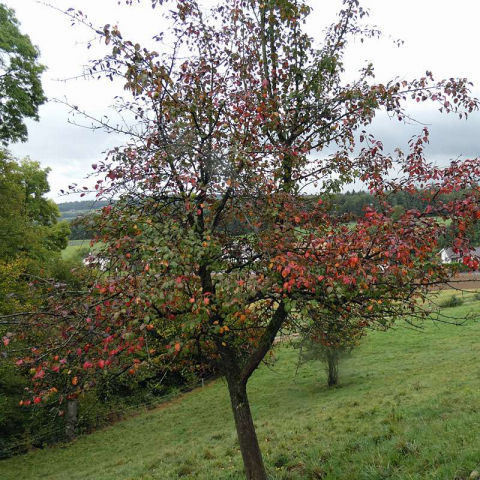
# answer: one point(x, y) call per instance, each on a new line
point(407, 408)
point(465, 281)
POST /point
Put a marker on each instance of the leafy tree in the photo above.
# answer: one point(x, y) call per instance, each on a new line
point(328, 339)
point(20, 85)
point(31, 240)
point(13, 290)
point(226, 127)
point(28, 220)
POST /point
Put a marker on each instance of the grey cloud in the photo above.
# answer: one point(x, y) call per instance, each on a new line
point(449, 137)
point(438, 37)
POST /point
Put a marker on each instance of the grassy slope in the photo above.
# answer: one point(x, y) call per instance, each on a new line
point(73, 247)
point(408, 408)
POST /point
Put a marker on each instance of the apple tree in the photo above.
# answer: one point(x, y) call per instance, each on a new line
point(220, 232)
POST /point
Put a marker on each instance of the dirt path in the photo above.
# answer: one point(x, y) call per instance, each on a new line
point(464, 281)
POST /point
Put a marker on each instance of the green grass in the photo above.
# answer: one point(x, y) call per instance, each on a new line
point(74, 246)
point(408, 408)
point(75, 243)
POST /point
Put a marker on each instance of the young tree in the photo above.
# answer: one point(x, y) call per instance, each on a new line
point(20, 85)
point(327, 338)
point(212, 244)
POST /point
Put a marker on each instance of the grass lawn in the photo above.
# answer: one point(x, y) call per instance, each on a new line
point(73, 247)
point(408, 408)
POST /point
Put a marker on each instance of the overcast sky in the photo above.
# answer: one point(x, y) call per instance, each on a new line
point(439, 35)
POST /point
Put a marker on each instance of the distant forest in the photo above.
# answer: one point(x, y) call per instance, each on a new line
point(74, 212)
point(73, 209)
point(351, 204)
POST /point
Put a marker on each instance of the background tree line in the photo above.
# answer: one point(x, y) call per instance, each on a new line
point(350, 204)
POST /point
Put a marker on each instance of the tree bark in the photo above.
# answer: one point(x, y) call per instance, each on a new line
point(247, 437)
point(332, 362)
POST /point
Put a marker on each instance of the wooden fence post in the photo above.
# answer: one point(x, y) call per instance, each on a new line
point(71, 420)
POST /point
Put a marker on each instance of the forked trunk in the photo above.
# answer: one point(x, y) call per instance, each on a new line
point(247, 437)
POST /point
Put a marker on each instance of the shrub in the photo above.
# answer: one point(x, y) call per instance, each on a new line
point(451, 302)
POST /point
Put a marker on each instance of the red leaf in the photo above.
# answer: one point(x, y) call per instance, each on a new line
point(353, 261)
point(39, 374)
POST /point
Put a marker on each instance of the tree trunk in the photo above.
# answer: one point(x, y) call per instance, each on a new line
point(332, 361)
point(247, 437)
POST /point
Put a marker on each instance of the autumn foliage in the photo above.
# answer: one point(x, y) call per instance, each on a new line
point(220, 231)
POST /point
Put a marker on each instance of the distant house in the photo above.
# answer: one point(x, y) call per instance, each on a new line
point(449, 256)
point(95, 262)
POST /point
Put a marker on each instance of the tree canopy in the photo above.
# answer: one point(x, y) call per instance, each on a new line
point(30, 235)
point(21, 91)
point(29, 225)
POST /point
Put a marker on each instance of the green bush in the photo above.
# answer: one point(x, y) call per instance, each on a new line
point(451, 302)
point(114, 397)
point(22, 428)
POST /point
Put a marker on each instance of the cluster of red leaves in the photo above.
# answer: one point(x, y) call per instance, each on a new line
point(211, 247)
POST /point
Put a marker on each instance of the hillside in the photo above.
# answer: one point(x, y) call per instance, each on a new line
point(72, 210)
point(407, 409)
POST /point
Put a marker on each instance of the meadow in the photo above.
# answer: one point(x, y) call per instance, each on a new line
point(75, 248)
point(408, 407)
